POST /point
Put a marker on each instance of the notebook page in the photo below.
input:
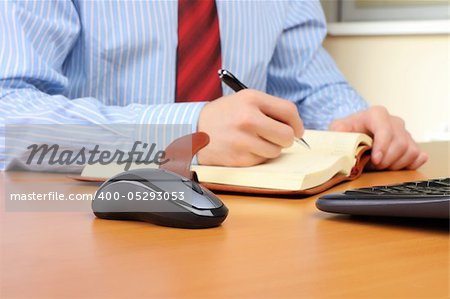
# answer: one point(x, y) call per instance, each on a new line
point(291, 171)
point(297, 168)
point(339, 143)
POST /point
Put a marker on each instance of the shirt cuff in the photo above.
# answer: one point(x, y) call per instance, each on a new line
point(162, 124)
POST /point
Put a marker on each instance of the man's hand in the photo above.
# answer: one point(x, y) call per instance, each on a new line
point(393, 147)
point(247, 128)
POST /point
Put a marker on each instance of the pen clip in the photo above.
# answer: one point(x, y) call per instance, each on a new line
point(230, 80)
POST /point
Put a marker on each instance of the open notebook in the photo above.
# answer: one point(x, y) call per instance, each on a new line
point(333, 157)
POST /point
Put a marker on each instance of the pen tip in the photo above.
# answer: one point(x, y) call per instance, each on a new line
point(302, 141)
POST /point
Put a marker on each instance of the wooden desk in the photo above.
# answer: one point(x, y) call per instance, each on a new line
point(268, 247)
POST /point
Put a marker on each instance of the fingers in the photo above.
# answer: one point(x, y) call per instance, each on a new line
point(375, 122)
point(402, 150)
point(399, 154)
point(245, 159)
point(393, 147)
point(379, 124)
point(249, 151)
point(412, 158)
point(341, 125)
point(252, 150)
point(264, 124)
point(274, 131)
point(267, 128)
point(263, 148)
point(421, 159)
point(405, 149)
point(279, 109)
point(247, 128)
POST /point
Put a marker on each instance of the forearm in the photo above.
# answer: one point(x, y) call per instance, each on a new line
point(328, 95)
point(303, 72)
point(54, 119)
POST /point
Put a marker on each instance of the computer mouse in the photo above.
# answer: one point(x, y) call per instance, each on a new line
point(160, 197)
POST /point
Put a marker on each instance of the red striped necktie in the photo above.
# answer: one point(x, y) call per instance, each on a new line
point(198, 53)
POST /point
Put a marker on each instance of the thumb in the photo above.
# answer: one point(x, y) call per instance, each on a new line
point(341, 125)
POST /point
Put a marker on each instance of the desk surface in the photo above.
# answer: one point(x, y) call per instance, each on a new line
point(268, 247)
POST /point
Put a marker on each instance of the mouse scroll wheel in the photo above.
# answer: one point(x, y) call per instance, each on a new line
point(194, 185)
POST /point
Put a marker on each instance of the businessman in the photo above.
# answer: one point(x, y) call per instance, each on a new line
point(156, 62)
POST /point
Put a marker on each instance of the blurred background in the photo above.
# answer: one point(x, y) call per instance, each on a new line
point(396, 53)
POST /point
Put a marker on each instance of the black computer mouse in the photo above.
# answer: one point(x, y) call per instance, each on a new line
point(158, 196)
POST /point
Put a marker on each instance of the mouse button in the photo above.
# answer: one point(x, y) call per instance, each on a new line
point(127, 176)
point(214, 200)
point(201, 201)
point(152, 178)
point(187, 196)
point(193, 185)
point(196, 187)
point(136, 179)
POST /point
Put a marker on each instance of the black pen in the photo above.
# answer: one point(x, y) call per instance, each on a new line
point(233, 82)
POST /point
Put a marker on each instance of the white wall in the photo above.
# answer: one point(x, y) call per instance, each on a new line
point(410, 75)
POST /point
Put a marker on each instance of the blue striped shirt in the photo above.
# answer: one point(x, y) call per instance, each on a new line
point(114, 62)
